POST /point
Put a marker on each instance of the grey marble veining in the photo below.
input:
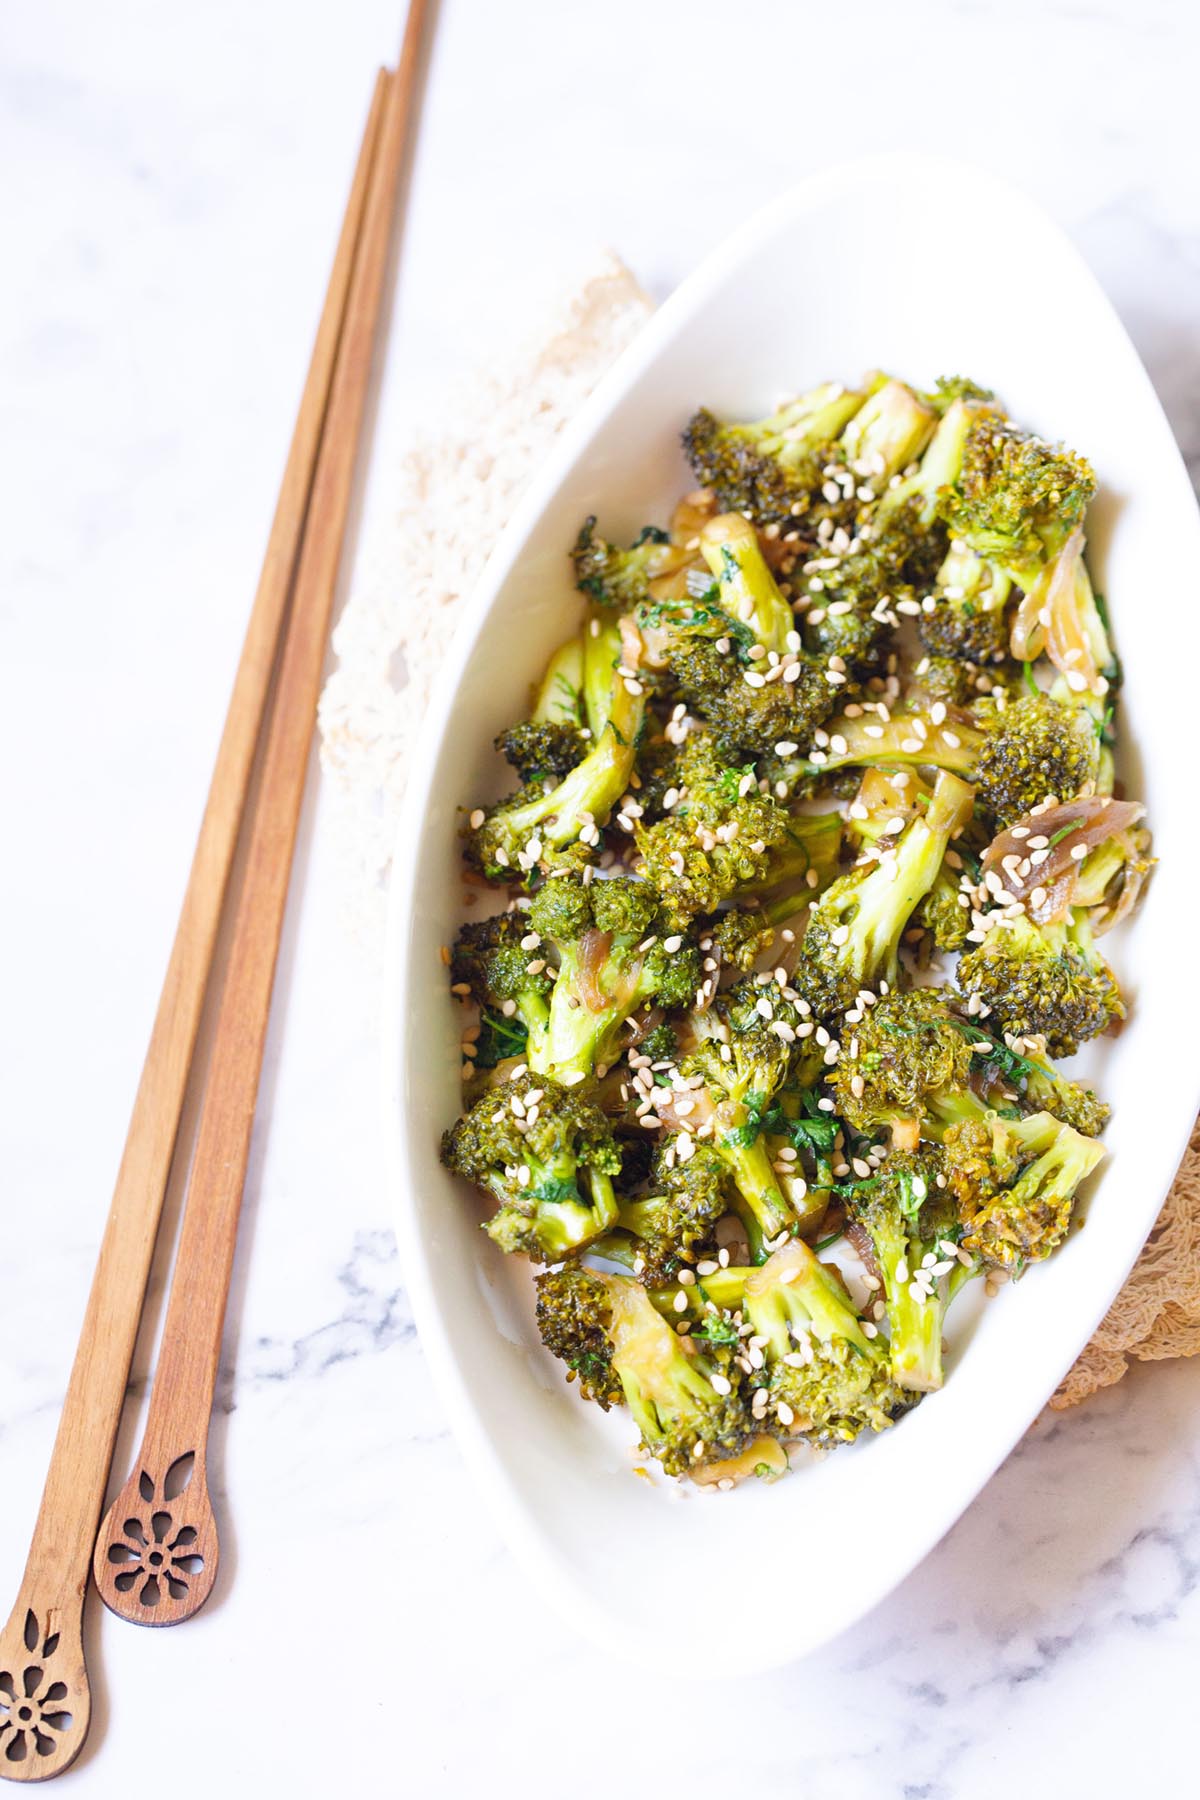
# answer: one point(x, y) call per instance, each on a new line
point(173, 180)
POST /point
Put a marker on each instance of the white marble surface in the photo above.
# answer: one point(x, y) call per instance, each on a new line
point(172, 180)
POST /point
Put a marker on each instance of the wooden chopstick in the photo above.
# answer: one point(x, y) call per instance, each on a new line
point(168, 1485)
point(44, 1628)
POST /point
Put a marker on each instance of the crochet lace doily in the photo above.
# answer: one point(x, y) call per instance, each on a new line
point(453, 494)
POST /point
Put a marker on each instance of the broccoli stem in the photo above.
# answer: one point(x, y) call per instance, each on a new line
point(729, 545)
point(885, 899)
point(814, 419)
point(950, 745)
point(593, 786)
point(579, 1037)
point(892, 425)
point(939, 468)
point(557, 698)
point(602, 651)
point(811, 1296)
point(766, 1212)
point(915, 1325)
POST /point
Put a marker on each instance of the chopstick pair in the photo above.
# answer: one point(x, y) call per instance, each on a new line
point(156, 1553)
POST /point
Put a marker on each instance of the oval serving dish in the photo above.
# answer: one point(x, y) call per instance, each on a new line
point(832, 279)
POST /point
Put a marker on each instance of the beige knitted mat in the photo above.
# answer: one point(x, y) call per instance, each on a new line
point(452, 496)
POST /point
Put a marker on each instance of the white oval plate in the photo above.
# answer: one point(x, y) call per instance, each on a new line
point(880, 263)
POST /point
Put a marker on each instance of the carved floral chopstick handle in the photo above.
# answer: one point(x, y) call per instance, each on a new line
point(157, 1552)
point(45, 1702)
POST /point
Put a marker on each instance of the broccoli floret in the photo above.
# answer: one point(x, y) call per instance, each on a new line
point(753, 1045)
point(940, 913)
point(826, 1379)
point(911, 1048)
point(945, 678)
point(1035, 1081)
point(573, 1318)
point(949, 388)
point(661, 1044)
point(620, 578)
point(673, 1224)
point(488, 959)
point(818, 1373)
point(536, 750)
point(917, 495)
point(1068, 1100)
point(771, 469)
point(909, 1218)
point(742, 934)
point(1015, 1181)
point(748, 718)
point(1014, 753)
point(659, 773)
point(968, 619)
point(720, 662)
point(613, 957)
point(1033, 748)
point(852, 615)
point(853, 936)
point(1017, 498)
point(548, 1156)
point(723, 838)
point(1046, 981)
point(684, 1419)
point(1019, 504)
point(540, 820)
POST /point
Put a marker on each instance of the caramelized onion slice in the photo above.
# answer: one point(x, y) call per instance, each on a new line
point(594, 947)
point(1090, 822)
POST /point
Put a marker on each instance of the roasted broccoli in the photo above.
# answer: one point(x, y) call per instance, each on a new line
point(1046, 981)
point(734, 653)
point(1035, 748)
point(511, 839)
point(825, 1378)
point(913, 1230)
point(573, 1319)
point(723, 838)
point(1008, 1077)
point(910, 1048)
point(1016, 754)
point(1018, 504)
point(620, 578)
point(613, 956)
point(548, 1156)
point(853, 936)
point(853, 710)
point(1014, 1181)
point(667, 1228)
point(772, 469)
point(685, 1406)
point(753, 1044)
point(537, 749)
point(503, 978)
